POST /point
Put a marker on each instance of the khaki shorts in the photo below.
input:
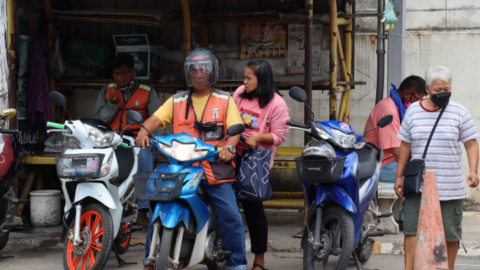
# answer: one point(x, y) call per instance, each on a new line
point(452, 215)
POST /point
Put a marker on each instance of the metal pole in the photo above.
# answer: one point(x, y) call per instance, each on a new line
point(396, 46)
point(11, 59)
point(187, 28)
point(333, 59)
point(348, 64)
point(380, 53)
point(308, 59)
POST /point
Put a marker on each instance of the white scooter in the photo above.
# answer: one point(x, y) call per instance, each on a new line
point(97, 182)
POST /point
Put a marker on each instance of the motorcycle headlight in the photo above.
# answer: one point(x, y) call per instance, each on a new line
point(105, 170)
point(182, 151)
point(79, 166)
point(323, 134)
point(98, 137)
point(342, 139)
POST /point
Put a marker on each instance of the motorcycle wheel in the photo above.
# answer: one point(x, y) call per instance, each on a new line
point(340, 225)
point(97, 235)
point(364, 250)
point(122, 247)
point(163, 251)
point(4, 240)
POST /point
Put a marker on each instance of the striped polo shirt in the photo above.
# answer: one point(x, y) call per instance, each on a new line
point(444, 154)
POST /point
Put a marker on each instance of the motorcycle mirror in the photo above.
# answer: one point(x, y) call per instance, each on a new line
point(385, 121)
point(8, 114)
point(298, 94)
point(58, 98)
point(134, 117)
point(235, 130)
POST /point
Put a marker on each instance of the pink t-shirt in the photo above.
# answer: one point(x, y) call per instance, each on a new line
point(386, 137)
point(271, 119)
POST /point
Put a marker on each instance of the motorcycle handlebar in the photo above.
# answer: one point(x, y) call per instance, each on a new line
point(55, 125)
point(299, 125)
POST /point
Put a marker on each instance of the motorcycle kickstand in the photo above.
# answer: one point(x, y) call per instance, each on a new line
point(358, 264)
point(6, 257)
point(119, 260)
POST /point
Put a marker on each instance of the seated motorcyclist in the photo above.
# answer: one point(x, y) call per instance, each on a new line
point(206, 113)
point(128, 93)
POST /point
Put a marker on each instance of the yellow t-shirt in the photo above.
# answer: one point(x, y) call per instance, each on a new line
point(165, 113)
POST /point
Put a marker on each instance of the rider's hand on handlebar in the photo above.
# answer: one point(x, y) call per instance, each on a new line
point(143, 140)
point(114, 97)
point(224, 156)
point(398, 187)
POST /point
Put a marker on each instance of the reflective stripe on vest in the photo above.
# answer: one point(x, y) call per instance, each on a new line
point(215, 111)
point(137, 102)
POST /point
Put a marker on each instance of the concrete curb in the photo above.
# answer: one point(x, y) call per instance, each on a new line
point(137, 243)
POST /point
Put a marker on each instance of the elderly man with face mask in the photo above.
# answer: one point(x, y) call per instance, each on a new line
point(128, 93)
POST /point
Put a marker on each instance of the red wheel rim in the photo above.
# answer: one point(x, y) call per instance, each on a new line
point(125, 243)
point(94, 222)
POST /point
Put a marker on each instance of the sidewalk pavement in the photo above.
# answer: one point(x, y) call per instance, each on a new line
point(282, 226)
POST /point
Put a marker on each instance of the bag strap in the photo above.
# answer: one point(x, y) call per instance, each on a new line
point(433, 130)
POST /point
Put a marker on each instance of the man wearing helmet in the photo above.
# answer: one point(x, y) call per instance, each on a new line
point(206, 113)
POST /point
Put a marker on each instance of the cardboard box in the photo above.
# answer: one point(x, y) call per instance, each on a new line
point(147, 58)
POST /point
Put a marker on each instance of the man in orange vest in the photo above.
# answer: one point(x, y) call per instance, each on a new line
point(128, 93)
point(206, 113)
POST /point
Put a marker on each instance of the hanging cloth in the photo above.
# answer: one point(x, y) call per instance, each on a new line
point(38, 106)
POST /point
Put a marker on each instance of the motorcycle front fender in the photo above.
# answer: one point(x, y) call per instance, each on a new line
point(96, 191)
point(336, 194)
point(171, 213)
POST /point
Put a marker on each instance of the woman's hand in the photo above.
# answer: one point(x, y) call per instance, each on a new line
point(399, 187)
point(251, 142)
point(472, 179)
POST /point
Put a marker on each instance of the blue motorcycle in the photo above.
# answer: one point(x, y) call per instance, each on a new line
point(340, 175)
point(186, 229)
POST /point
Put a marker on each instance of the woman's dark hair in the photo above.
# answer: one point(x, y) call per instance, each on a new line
point(266, 88)
point(123, 59)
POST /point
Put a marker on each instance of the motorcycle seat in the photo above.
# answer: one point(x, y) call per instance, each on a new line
point(367, 162)
point(125, 160)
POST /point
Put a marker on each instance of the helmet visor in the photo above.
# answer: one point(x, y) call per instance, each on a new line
point(200, 73)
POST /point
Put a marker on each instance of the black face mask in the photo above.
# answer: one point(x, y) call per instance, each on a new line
point(442, 99)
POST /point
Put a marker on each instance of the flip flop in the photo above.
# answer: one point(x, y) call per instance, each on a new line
point(258, 265)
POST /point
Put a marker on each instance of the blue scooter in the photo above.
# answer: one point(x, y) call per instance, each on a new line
point(340, 175)
point(186, 230)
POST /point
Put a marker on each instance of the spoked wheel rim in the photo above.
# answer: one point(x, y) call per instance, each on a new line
point(84, 256)
point(125, 243)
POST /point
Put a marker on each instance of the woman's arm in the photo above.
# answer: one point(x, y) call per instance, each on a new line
point(472, 154)
point(405, 150)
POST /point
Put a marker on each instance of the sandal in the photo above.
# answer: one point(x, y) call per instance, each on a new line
point(258, 265)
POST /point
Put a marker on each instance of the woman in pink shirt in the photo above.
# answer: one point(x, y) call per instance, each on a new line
point(265, 116)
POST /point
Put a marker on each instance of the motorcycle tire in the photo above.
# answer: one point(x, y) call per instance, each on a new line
point(345, 238)
point(4, 240)
point(364, 252)
point(122, 247)
point(163, 251)
point(97, 225)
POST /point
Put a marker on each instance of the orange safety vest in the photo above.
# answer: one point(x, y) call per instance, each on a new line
point(137, 102)
point(215, 111)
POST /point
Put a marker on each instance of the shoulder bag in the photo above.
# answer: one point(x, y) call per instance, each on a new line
point(415, 168)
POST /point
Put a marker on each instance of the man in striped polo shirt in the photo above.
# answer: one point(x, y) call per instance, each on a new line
point(129, 93)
